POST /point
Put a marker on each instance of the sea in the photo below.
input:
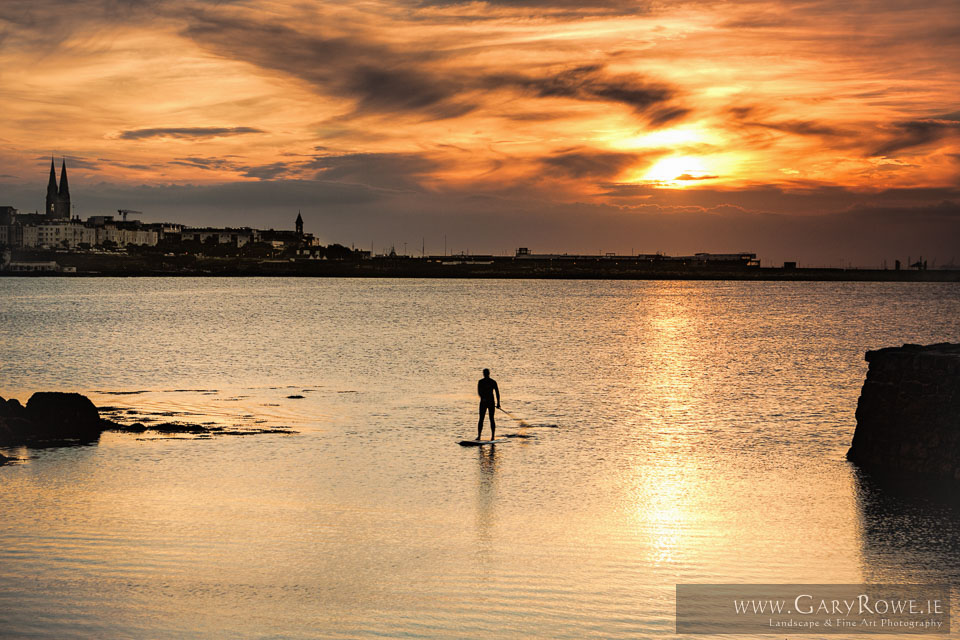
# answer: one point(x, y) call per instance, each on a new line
point(680, 432)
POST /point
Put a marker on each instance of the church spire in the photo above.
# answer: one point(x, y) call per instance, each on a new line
point(52, 184)
point(64, 187)
point(58, 200)
point(52, 195)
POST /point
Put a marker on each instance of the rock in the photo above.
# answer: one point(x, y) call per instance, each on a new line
point(63, 416)
point(178, 427)
point(908, 415)
point(295, 397)
point(11, 408)
point(110, 425)
point(14, 431)
point(4, 459)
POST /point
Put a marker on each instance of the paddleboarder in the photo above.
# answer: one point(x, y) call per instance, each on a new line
point(486, 387)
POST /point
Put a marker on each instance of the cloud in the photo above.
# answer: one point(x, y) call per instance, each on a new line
point(915, 133)
point(205, 163)
point(687, 176)
point(268, 171)
point(73, 162)
point(592, 83)
point(380, 89)
point(386, 171)
point(378, 171)
point(591, 163)
point(186, 132)
point(417, 78)
point(379, 78)
point(803, 128)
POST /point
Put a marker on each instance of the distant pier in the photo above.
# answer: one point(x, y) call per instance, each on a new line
point(743, 266)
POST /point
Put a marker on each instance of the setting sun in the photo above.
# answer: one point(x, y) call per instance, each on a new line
point(678, 171)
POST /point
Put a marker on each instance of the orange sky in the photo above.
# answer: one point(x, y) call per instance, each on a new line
point(793, 108)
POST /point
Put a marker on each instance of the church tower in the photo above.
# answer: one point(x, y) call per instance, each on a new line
point(64, 194)
point(299, 226)
point(58, 199)
point(52, 196)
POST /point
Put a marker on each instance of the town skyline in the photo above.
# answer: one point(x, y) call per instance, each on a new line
point(815, 132)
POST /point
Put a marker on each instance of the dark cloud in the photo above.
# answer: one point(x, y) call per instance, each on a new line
point(205, 163)
point(44, 24)
point(592, 83)
point(687, 176)
point(186, 132)
point(268, 171)
point(803, 128)
point(379, 78)
point(73, 162)
point(915, 133)
point(590, 163)
point(380, 90)
point(376, 171)
point(261, 172)
point(753, 116)
point(386, 171)
point(757, 22)
point(383, 79)
point(663, 116)
point(538, 116)
point(568, 9)
point(799, 199)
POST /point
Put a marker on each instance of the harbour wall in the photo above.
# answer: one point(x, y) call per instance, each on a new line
point(908, 415)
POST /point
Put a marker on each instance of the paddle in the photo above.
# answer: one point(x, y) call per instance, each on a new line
point(523, 423)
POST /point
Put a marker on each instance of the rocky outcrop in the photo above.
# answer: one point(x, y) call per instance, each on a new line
point(908, 415)
point(49, 416)
point(55, 418)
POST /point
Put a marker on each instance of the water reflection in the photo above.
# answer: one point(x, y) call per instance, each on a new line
point(908, 532)
point(486, 517)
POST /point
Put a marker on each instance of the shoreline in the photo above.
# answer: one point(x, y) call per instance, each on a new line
point(814, 275)
point(50, 263)
point(82, 266)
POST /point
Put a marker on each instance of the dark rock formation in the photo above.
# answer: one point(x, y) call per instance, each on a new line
point(908, 416)
point(55, 418)
point(13, 422)
point(49, 416)
point(64, 416)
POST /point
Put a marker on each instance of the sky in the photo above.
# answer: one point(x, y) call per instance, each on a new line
point(824, 132)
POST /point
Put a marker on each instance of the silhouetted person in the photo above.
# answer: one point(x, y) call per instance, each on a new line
point(486, 387)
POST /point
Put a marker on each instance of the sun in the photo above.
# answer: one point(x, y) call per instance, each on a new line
point(678, 171)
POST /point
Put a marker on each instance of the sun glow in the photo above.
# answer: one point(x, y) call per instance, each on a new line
point(678, 171)
point(671, 137)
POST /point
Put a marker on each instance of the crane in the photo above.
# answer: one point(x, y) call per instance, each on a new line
point(125, 212)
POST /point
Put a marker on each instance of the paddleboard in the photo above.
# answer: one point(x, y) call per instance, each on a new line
point(480, 443)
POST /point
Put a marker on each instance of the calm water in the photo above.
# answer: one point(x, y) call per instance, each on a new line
point(700, 434)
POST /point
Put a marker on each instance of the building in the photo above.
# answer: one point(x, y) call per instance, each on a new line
point(9, 231)
point(284, 238)
point(58, 197)
point(226, 235)
point(56, 229)
point(60, 234)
